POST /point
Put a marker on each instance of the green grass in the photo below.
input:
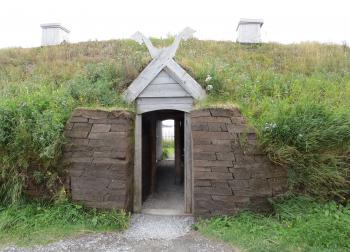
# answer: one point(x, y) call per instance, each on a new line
point(168, 148)
point(298, 224)
point(168, 152)
point(41, 223)
point(297, 96)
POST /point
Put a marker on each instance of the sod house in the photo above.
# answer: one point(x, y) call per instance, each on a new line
point(115, 160)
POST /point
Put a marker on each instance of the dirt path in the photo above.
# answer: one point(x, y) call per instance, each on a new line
point(147, 233)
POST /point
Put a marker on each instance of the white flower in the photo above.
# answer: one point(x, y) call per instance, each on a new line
point(209, 87)
point(208, 78)
point(269, 126)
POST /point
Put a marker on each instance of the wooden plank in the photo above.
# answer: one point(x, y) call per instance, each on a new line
point(154, 107)
point(145, 77)
point(171, 90)
point(163, 74)
point(188, 165)
point(185, 34)
point(150, 104)
point(163, 78)
point(138, 165)
point(163, 82)
point(165, 100)
point(140, 38)
point(185, 80)
point(177, 152)
point(171, 50)
point(159, 146)
point(153, 154)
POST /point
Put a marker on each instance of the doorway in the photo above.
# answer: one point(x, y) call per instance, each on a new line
point(165, 186)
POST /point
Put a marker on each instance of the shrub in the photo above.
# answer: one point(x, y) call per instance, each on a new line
point(98, 84)
point(30, 132)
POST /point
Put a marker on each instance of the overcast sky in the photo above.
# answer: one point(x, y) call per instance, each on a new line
point(286, 21)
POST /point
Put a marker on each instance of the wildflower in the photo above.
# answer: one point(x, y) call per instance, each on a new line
point(208, 78)
point(269, 126)
point(209, 87)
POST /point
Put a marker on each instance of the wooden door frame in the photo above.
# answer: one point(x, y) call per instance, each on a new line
point(138, 165)
point(188, 164)
point(188, 183)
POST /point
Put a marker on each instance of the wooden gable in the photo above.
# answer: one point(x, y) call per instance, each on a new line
point(163, 85)
point(164, 92)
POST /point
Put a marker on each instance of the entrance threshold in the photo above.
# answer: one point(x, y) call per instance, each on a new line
point(165, 212)
point(168, 199)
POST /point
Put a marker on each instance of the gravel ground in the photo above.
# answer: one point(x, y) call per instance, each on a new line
point(147, 233)
point(144, 227)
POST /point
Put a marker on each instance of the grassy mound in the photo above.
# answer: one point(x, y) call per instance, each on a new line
point(297, 96)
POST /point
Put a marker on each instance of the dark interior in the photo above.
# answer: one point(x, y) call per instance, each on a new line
point(162, 180)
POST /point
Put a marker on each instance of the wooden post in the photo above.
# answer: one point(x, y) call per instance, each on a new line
point(159, 147)
point(138, 165)
point(177, 137)
point(188, 165)
point(153, 164)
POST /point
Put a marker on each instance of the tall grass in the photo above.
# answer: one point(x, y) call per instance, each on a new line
point(303, 89)
point(313, 141)
point(38, 223)
point(298, 224)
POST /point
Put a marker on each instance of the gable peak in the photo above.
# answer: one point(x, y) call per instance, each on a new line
point(170, 50)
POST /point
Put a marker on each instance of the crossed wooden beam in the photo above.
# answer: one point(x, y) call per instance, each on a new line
point(170, 50)
point(162, 58)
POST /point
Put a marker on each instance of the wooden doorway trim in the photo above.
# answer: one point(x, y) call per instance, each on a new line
point(138, 165)
point(188, 164)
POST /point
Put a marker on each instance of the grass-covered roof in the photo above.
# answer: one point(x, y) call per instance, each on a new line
point(297, 96)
